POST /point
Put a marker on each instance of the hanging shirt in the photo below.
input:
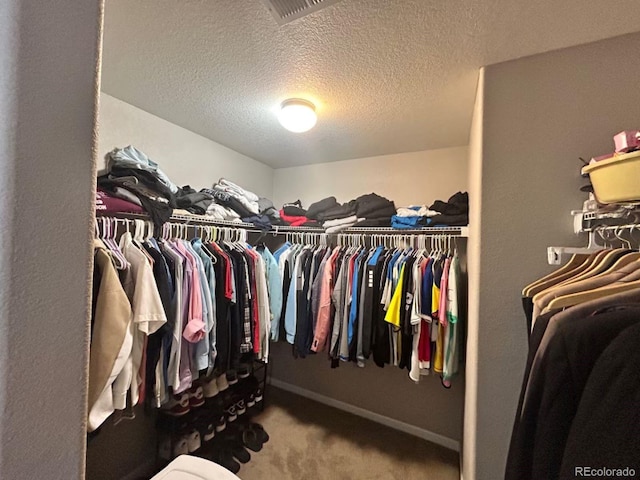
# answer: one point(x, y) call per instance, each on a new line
point(338, 299)
point(393, 313)
point(264, 308)
point(185, 378)
point(441, 315)
point(111, 339)
point(344, 331)
point(203, 346)
point(451, 356)
point(175, 348)
point(210, 282)
point(148, 312)
point(274, 283)
point(292, 302)
point(323, 323)
point(355, 292)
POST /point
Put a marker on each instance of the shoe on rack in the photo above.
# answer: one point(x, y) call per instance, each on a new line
point(239, 403)
point(196, 397)
point(181, 447)
point(164, 448)
point(230, 413)
point(193, 441)
point(220, 423)
point(244, 370)
point(232, 377)
point(222, 383)
point(258, 395)
point(210, 388)
point(207, 431)
point(251, 400)
point(178, 405)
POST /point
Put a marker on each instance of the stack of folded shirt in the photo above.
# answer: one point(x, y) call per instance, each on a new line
point(374, 210)
point(260, 221)
point(230, 195)
point(318, 209)
point(333, 226)
point(267, 208)
point(109, 203)
point(133, 176)
point(338, 211)
point(415, 216)
point(455, 212)
point(218, 212)
point(131, 157)
point(192, 201)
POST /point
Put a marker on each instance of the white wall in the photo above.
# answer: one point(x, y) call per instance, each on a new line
point(406, 178)
point(186, 157)
point(540, 114)
point(48, 58)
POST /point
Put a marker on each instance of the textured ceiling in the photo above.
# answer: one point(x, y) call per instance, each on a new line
point(387, 76)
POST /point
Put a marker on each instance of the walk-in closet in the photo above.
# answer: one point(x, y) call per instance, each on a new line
point(285, 239)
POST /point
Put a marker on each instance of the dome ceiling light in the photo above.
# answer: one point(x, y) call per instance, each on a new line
point(297, 115)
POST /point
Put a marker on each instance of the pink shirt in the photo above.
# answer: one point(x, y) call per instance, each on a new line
point(196, 329)
point(442, 309)
point(324, 312)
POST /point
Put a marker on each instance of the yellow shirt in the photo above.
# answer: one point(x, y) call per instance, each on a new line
point(393, 313)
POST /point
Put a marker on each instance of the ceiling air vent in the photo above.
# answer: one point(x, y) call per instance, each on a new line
point(285, 11)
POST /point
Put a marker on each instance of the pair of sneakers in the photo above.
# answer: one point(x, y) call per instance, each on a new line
point(208, 424)
point(183, 444)
point(183, 403)
point(220, 383)
point(215, 385)
point(235, 406)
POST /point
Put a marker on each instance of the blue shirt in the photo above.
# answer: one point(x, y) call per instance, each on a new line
point(274, 282)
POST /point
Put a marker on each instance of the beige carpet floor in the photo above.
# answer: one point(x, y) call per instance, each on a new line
point(310, 440)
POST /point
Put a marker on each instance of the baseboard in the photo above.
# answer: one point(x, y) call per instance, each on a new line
point(375, 417)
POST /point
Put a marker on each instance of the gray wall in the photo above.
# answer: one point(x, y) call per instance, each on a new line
point(48, 58)
point(540, 114)
point(385, 391)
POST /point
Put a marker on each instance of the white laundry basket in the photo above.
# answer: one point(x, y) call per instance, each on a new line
point(186, 467)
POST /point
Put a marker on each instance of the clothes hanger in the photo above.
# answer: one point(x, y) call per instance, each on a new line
point(576, 261)
point(587, 268)
point(579, 259)
point(605, 263)
point(98, 242)
point(571, 299)
point(618, 287)
point(630, 262)
point(111, 228)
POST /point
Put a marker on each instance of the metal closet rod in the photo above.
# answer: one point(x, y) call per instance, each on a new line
point(283, 230)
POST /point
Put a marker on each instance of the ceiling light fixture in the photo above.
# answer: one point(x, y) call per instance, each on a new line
point(297, 115)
